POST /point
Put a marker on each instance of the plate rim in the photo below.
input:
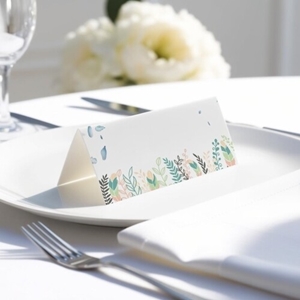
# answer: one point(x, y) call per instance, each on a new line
point(66, 215)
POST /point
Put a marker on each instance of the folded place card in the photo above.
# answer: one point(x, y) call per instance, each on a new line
point(110, 162)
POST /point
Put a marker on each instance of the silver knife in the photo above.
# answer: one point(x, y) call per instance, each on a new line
point(117, 107)
point(128, 109)
point(31, 120)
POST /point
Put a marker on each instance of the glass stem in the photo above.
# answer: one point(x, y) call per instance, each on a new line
point(5, 119)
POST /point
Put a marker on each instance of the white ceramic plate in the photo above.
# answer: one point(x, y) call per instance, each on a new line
point(30, 168)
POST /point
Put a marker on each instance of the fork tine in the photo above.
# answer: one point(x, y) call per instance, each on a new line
point(56, 250)
point(55, 241)
point(30, 234)
point(60, 253)
point(50, 243)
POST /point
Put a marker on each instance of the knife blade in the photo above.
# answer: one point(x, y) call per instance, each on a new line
point(117, 107)
point(129, 109)
point(31, 120)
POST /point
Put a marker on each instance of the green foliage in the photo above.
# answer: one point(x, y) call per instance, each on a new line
point(195, 167)
point(161, 172)
point(176, 176)
point(112, 8)
point(113, 184)
point(216, 155)
point(227, 153)
point(113, 187)
point(228, 141)
point(131, 183)
point(153, 183)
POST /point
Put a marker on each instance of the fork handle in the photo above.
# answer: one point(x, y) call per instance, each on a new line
point(174, 292)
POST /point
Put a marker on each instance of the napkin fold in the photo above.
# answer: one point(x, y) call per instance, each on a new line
point(250, 236)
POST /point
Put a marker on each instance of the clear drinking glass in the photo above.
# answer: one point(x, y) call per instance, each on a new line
point(17, 25)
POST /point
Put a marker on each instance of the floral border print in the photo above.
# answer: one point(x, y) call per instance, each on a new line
point(124, 184)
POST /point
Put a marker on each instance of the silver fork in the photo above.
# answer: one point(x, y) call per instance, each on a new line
point(66, 255)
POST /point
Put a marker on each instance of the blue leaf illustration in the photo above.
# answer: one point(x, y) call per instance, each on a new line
point(93, 160)
point(104, 153)
point(99, 128)
point(130, 173)
point(132, 184)
point(113, 184)
point(90, 131)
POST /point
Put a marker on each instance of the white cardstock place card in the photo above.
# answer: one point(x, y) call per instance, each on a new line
point(107, 163)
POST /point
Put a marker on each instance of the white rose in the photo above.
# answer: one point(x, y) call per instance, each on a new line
point(155, 44)
point(89, 60)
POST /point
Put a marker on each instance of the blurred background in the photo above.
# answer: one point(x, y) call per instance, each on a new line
point(258, 38)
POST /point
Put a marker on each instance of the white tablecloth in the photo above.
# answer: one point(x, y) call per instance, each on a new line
point(265, 102)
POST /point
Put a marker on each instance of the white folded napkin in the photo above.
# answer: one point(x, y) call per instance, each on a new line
point(250, 236)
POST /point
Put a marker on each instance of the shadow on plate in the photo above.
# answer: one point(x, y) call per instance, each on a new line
point(52, 199)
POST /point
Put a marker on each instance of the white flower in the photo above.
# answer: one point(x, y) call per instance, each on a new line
point(155, 44)
point(148, 43)
point(89, 58)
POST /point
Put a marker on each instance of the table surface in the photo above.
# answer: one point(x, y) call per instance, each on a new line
point(25, 271)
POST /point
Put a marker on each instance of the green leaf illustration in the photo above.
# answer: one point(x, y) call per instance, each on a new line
point(216, 155)
point(158, 161)
point(134, 182)
point(228, 141)
point(131, 183)
point(176, 176)
point(156, 171)
point(160, 172)
point(161, 183)
point(227, 154)
point(193, 165)
point(113, 184)
point(130, 173)
point(153, 183)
